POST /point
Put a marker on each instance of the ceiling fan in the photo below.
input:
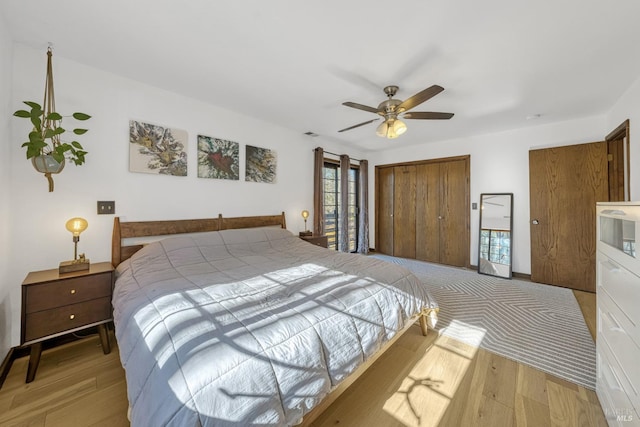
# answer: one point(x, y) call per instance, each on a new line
point(391, 109)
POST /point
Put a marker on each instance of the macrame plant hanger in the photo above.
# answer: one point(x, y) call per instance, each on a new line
point(49, 106)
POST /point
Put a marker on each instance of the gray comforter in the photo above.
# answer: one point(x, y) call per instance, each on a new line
point(250, 327)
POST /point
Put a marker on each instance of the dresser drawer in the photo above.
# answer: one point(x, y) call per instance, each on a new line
point(623, 287)
point(69, 291)
point(616, 406)
point(620, 350)
point(49, 322)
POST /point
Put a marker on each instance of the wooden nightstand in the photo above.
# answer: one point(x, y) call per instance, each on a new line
point(317, 240)
point(55, 304)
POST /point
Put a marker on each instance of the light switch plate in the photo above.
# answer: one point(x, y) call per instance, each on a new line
point(106, 208)
point(474, 206)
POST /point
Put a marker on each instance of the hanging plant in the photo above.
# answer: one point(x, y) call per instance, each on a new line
point(45, 147)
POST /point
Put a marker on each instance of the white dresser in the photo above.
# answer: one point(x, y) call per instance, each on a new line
point(618, 300)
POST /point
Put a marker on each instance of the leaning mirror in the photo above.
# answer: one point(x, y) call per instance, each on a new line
point(496, 232)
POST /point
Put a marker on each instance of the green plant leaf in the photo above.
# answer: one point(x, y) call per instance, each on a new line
point(81, 116)
point(49, 133)
point(36, 112)
point(34, 136)
point(37, 123)
point(58, 156)
point(54, 116)
point(76, 144)
point(33, 105)
point(58, 131)
point(80, 131)
point(22, 113)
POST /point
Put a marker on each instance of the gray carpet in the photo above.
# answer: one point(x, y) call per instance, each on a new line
point(538, 325)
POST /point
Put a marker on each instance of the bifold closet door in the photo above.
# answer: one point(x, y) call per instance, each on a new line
point(404, 211)
point(427, 211)
point(452, 218)
point(384, 212)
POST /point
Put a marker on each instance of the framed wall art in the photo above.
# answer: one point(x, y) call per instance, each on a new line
point(218, 158)
point(157, 149)
point(260, 164)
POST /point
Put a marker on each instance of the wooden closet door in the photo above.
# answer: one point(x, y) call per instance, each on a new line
point(427, 211)
point(384, 213)
point(565, 184)
point(454, 213)
point(404, 211)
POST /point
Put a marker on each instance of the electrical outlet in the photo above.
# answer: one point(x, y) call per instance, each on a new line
point(106, 208)
point(474, 206)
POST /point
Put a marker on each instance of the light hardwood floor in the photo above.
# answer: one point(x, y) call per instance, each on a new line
point(432, 381)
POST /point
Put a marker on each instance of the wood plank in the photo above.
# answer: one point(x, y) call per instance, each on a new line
point(587, 303)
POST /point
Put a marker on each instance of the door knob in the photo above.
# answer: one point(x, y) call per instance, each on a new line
point(535, 222)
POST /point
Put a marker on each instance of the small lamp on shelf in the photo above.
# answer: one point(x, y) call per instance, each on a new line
point(75, 226)
point(305, 215)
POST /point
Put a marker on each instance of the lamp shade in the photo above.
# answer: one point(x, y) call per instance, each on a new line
point(77, 225)
point(391, 128)
point(399, 127)
point(305, 214)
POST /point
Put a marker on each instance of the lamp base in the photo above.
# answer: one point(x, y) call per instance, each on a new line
point(71, 266)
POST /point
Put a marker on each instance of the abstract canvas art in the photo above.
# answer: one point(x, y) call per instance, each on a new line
point(260, 164)
point(218, 158)
point(157, 149)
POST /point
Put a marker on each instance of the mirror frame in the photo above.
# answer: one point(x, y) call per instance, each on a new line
point(482, 196)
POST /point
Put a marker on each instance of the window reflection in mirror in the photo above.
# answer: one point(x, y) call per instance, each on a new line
point(496, 231)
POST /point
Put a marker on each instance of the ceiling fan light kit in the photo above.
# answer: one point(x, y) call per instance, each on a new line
point(391, 109)
point(391, 128)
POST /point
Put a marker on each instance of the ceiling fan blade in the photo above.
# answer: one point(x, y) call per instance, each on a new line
point(361, 107)
point(359, 124)
point(419, 98)
point(427, 115)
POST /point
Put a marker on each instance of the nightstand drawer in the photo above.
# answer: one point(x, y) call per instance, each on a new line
point(64, 292)
point(49, 322)
point(317, 240)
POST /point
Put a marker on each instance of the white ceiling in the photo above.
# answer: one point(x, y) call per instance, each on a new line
point(293, 63)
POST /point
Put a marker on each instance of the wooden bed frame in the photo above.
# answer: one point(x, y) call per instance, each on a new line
point(127, 230)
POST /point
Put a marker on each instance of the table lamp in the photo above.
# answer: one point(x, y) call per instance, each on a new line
point(75, 226)
point(305, 215)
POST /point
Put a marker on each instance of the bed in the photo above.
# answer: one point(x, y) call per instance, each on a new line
point(237, 321)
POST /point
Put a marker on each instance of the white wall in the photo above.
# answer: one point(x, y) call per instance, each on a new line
point(499, 164)
point(628, 107)
point(42, 241)
point(5, 186)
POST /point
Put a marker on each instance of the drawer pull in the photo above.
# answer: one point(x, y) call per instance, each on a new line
point(73, 291)
point(616, 327)
point(71, 317)
point(611, 378)
point(613, 267)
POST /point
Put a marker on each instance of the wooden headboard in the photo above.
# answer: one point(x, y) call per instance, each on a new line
point(125, 230)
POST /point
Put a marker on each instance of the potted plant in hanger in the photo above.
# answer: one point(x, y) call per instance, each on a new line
point(45, 147)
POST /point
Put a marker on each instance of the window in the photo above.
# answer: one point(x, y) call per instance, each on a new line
point(332, 201)
point(495, 245)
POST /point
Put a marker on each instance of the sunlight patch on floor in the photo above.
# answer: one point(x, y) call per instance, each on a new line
point(433, 384)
